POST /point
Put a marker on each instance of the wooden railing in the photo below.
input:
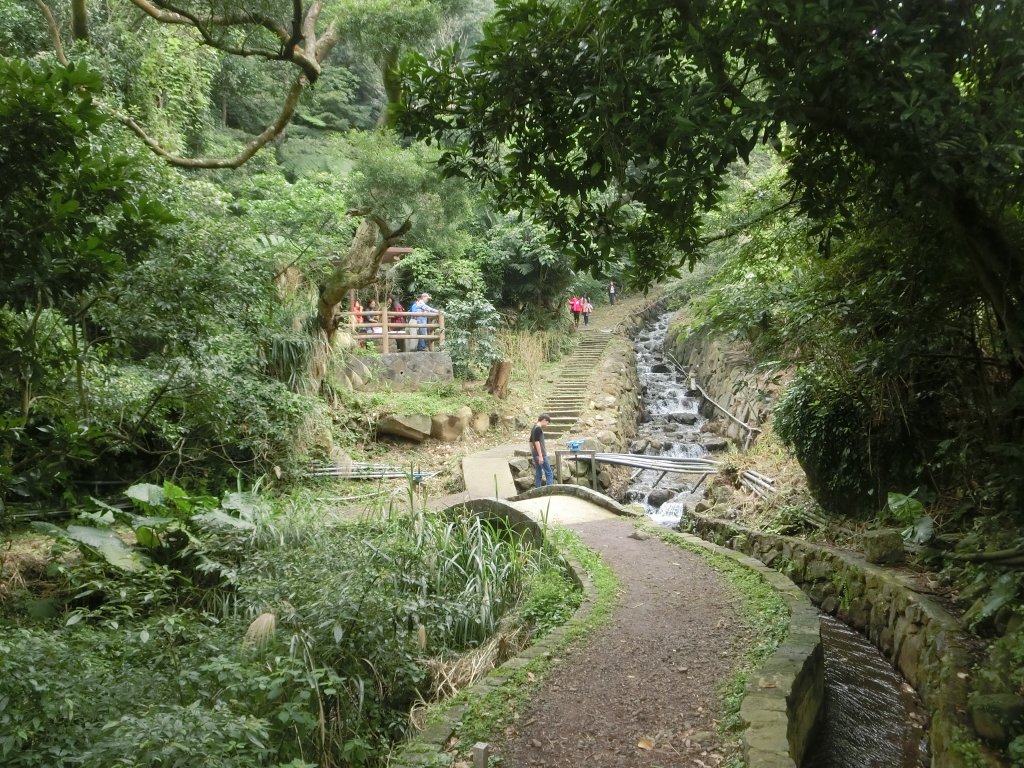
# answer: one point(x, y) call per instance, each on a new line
point(385, 328)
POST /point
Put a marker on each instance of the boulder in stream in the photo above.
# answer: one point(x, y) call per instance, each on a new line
point(714, 443)
point(683, 417)
point(659, 496)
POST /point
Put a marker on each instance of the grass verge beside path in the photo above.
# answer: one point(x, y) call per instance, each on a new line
point(485, 716)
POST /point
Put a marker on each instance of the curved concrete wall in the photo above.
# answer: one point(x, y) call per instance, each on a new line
point(922, 639)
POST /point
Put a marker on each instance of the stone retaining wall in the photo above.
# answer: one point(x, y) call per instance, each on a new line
point(922, 639)
point(726, 371)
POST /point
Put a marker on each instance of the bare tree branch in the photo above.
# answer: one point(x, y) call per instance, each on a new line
point(740, 228)
point(290, 50)
point(360, 265)
point(51, 24)
point(250, 149)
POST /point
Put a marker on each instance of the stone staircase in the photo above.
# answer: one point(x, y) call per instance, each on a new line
point(568, 397)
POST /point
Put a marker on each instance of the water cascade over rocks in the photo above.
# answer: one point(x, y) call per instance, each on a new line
point(871, 719)
point(670, 426)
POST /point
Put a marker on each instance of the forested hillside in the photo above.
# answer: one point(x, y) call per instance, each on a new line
point(192, 191)
point(192, 194)
point(855, 169)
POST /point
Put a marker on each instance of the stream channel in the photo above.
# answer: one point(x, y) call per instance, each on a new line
point(872, 718)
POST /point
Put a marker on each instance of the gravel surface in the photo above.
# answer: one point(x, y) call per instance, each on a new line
point(644, 689)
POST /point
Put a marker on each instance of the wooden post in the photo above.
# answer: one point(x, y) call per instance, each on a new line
point(385, 322)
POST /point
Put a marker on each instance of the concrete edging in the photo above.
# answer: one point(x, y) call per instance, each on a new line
point(577, 491)
point(784, 698)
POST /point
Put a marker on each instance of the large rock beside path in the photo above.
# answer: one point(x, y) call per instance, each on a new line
point(449, 427)
point(412, 427)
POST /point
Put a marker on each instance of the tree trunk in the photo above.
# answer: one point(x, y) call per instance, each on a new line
point(999, 266)
point(497, 379)
point(79, 20)
point(392, 88)
point(358, 268)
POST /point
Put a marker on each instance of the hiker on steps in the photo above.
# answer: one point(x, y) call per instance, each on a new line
point(586, 308)
point(539, 453)
point(576, 307)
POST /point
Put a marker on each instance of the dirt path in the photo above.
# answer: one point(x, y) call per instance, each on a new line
point(644, 689)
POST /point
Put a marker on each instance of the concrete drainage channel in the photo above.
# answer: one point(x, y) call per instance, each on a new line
point(780, 707)
point(923, 640)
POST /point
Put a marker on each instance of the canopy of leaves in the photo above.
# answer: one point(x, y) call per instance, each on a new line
point(73, 211)
point(578, 109)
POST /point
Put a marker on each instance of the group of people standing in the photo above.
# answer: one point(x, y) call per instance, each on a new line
point(369, 318)
point(581, 306)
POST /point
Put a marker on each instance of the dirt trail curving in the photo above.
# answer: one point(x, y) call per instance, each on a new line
point(644, 689)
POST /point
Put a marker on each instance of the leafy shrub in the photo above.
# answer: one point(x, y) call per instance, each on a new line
point(471, 325)
point(850, 446)
point(551, 601)
point(347, 613)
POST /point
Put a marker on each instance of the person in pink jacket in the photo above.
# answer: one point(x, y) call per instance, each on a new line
point(576, 307)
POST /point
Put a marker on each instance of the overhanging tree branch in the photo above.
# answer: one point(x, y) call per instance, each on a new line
point(251, 147)
point(51, 24)
point(308, 58)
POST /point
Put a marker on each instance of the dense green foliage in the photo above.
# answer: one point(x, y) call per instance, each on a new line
point(160, 323)
point(877, 242)
point(164, 324)
point(617, 121)
point(248, 635)
point(902, 380)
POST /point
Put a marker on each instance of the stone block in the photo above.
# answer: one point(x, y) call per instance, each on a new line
point(412, 427)
point(481, 422)
point(998, 717)
point(406, 372)
point(448, 428)
point(883, 546)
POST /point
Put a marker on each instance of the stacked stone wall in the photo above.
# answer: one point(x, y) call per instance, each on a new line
point(726, 371)
point(921, 638)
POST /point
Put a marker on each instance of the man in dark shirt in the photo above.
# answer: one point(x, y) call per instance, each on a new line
point(539, 452)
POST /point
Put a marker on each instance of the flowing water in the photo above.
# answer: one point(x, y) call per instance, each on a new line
point(670, 426)
point(872, 717)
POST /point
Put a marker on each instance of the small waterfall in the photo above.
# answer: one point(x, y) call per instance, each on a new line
point(671, 426)
point(872, 719)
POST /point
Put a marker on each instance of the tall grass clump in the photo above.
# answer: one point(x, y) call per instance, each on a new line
point(527, 351)
point(292, 639)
